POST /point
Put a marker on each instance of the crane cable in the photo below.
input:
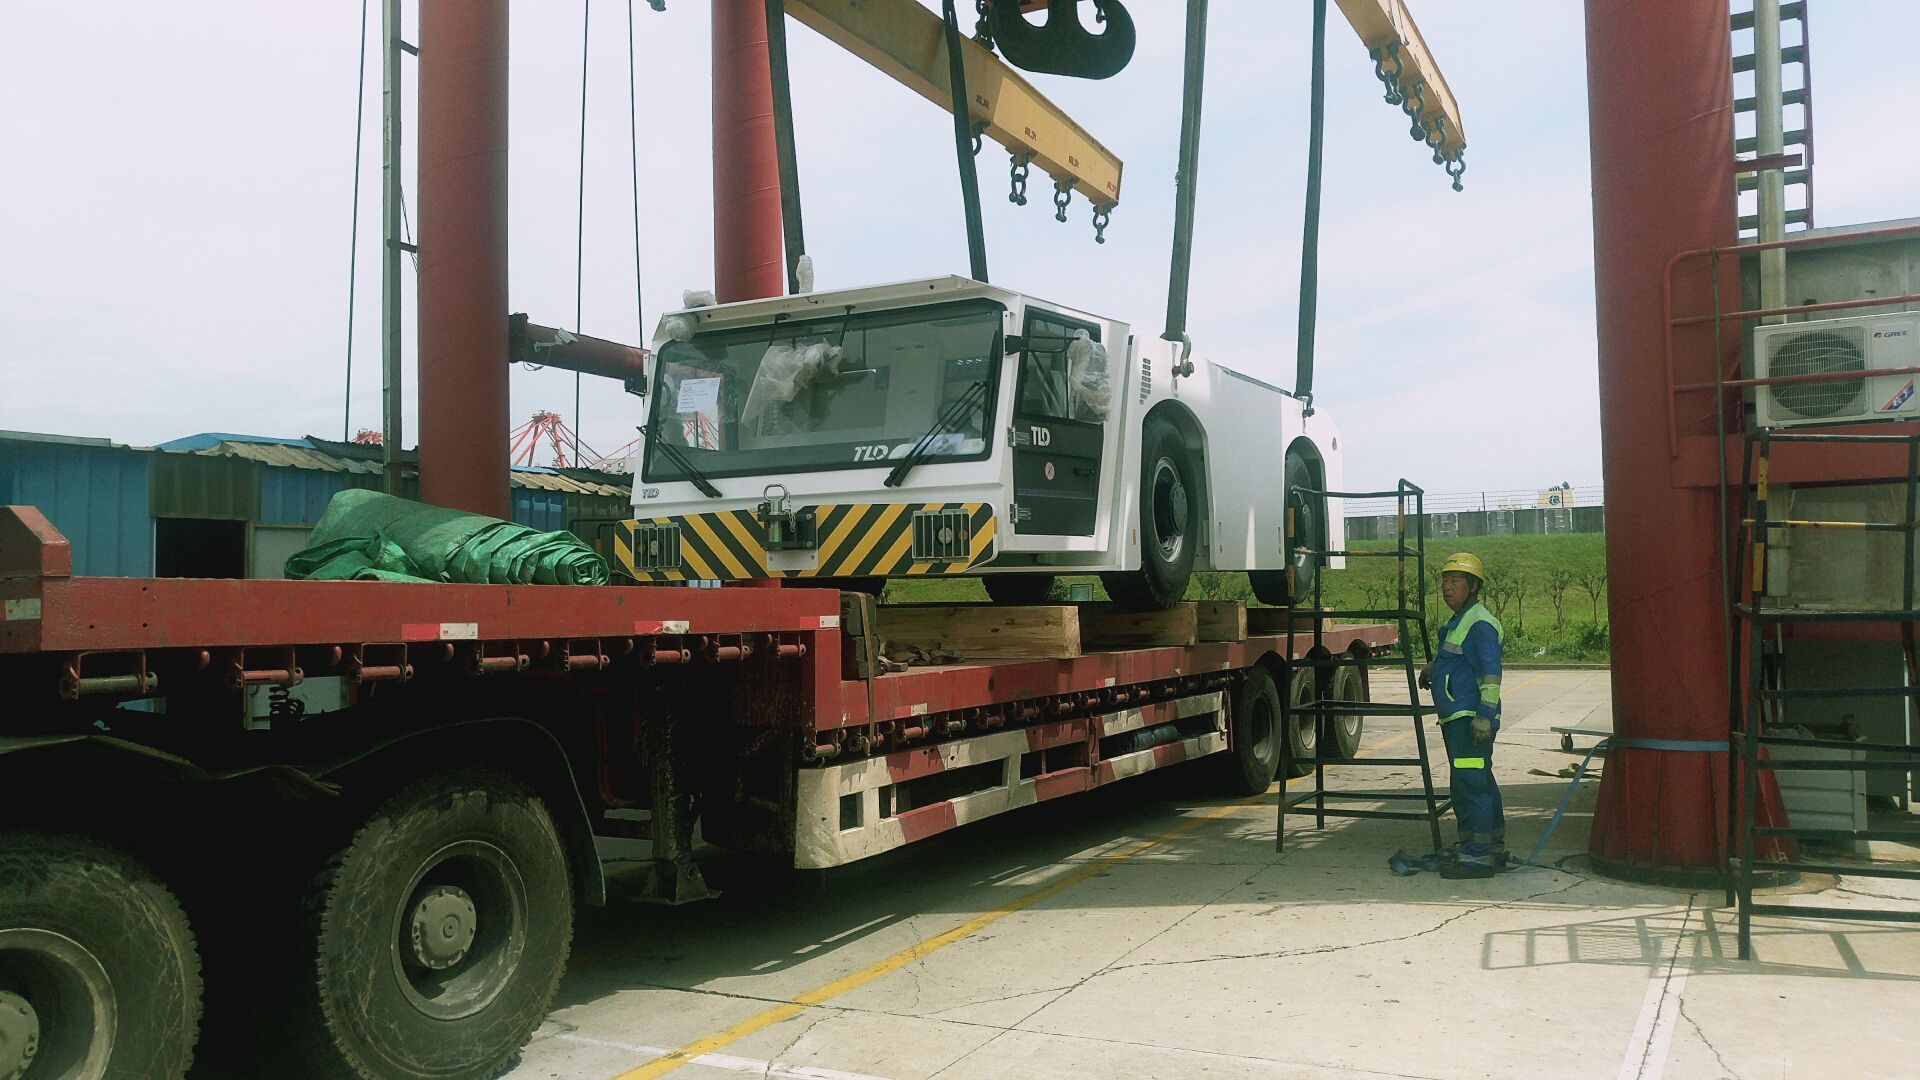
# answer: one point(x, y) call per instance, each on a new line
point(353, 229)
point(580, 214)
point(633, 142)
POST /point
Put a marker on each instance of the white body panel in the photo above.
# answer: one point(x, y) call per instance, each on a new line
point(1244, 428)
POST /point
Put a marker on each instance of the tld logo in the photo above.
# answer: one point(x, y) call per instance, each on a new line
point(1041, 436)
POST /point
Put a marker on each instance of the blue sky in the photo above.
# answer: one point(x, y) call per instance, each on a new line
point(175, 215)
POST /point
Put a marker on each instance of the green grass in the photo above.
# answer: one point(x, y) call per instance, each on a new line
point(1523, 571)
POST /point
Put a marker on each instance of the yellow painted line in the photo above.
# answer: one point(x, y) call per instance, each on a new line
point(867, 543)
point(766, 1018)
point(748, 542)
point(709, 532)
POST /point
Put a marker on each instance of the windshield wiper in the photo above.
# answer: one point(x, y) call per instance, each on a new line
point(946, 420)
point(693, 475)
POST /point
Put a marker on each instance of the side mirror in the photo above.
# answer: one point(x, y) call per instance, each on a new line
point(1016, 343)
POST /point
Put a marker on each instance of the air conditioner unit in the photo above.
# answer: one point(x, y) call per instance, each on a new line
point(1864, 344)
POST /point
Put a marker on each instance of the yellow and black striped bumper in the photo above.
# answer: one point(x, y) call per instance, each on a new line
point(856, 540)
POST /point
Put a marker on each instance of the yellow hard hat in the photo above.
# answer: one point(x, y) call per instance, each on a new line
point(1465, 562)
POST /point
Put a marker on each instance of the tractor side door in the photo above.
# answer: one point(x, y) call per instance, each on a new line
point(1057, 433)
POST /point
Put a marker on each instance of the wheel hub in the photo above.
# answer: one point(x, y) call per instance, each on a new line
point(443, 928)
point(19, 1035)
point(1169, 509)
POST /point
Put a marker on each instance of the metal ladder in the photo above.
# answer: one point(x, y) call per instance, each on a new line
point(1758, 698)
point(1796, 142)
point(1323, 710)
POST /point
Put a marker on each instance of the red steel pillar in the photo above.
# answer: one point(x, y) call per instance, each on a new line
point(747, 253)
point(1660, 104)
point(463, 255)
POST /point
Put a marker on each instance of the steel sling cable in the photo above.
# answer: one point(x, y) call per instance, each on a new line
point(580, 214)
point(353, 230)
point(633, 142)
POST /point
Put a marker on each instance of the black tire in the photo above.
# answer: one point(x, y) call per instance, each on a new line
point(1017, 588)
point(1303, 732)
point(1170, 518)
point(473, 856)
point(1342, 733)
point(1254, 722)
point(1306, 531)
point(102, 955)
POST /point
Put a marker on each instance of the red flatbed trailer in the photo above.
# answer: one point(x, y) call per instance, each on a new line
point(489, 735)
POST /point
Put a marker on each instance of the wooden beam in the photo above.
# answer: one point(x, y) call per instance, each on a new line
point(1222, 620)
point(1107, 626)
point(1279, 620)
point(907, 41)
point(984, 631)
point(1382, 22)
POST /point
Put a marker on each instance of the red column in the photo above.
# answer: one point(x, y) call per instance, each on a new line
point(1660, 96)
point(463, 255)
point(747, 260)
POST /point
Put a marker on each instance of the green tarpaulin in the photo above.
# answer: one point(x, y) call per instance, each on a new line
point(369, 536)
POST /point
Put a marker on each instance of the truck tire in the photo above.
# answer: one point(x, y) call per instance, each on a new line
point(1254, 720)
point(1170, 513)
point(98, 971)
point(1303, 732)
point(1341, 734)
point(438, 935)
point(1307, 534)
point(1017, 588)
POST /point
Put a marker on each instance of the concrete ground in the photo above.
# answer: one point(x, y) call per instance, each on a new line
point(1149, 931)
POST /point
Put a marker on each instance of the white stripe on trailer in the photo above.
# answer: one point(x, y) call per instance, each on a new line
point(23, 610)
point(1135, 719)
point(446, 631)
point(819, 841)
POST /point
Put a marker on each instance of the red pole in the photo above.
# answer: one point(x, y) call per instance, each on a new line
point(463, 255)
point(1660, 94)
point(747, 260)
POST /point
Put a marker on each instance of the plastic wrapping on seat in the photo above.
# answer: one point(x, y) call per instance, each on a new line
point(1087, 377)
point(785, 370)
point(370, 536)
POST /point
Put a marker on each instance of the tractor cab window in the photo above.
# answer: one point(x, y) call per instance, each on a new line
point(1062, 377)
point(840, 391)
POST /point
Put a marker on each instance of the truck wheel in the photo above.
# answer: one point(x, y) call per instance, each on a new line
point(1169, 522)
point(98, 971)
point(438, 934)
point(1306, 533)
point(1255, 722)
point(1018, 588)
point(1343, 732)
point(1302, 733)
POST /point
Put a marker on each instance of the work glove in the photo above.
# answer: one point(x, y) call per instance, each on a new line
point(1482, 730)
point(1426, 677)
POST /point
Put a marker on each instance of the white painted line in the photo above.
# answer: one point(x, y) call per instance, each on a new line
point(727, 1062)
point(1653, 1033)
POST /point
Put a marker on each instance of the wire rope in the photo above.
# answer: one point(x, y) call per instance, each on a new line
point(580, 214)
point(353, 229)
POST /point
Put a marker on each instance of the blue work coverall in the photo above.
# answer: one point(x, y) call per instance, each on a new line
point(1466, 683)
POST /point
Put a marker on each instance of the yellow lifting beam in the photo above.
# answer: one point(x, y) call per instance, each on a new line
point(1387, 29)
point(907, 41)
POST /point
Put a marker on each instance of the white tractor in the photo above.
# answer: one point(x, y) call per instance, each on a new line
point(949, 427)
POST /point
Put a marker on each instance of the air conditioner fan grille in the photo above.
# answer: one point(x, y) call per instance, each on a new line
point(1818, 352)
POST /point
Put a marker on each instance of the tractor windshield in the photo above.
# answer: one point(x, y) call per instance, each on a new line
point(833, 393)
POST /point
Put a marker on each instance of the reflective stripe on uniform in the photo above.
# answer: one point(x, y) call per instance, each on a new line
point(1461, 715)
point(1469, 763)
point(1490, 690)
point(1475, 613)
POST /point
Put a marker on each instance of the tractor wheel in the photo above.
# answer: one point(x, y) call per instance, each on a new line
point(1306, 535)
point(1170, 520)
point(1248, 769)
point(1343, 732)
point(1302, 733)
point(1018, 588)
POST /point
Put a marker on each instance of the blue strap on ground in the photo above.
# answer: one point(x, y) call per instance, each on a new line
point(1579, 773)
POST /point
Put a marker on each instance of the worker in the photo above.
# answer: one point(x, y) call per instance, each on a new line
point(1465, 679)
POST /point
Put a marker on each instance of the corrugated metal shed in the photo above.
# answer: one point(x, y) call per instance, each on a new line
point(94, 491)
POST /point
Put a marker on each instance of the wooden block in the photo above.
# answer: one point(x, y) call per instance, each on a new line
point(985, 632)
point(860, 639)
point(1279, 620)
point(1222, 620)
point(1106, 626)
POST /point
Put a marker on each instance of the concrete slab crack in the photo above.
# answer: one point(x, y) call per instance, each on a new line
point(1277, 954)
point(1725, 1068)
